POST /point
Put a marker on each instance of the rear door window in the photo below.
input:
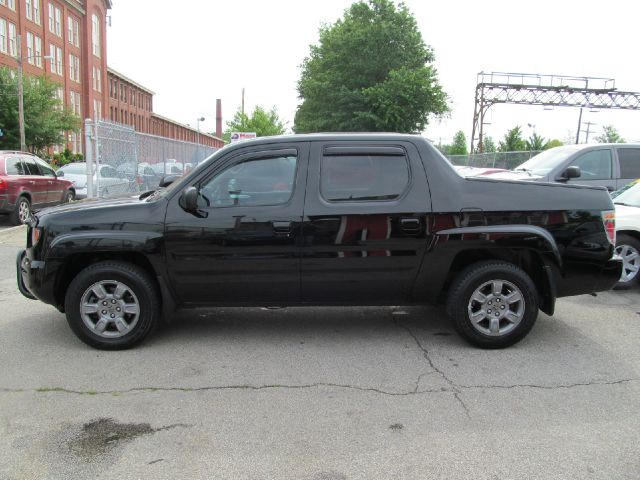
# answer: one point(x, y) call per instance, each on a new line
point(349, 178)
point(46, 170)
point(594, 165)
point(31, 167)
point(629, 162)
point(14, 166)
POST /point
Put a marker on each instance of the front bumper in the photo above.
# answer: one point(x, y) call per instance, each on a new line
point(81, 193)
point(23, 266)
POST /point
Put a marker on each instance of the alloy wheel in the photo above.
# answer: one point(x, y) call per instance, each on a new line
point(496, 307)
point(110, 309)
point(630, 262)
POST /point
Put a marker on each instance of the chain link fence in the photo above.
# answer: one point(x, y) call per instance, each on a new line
point(129, 162)
point(507, 160)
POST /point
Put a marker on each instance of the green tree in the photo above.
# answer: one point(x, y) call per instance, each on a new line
point(513, 141)
point(610, 135)
point(535, 143)
point(553, 143)
point(488, 145)
point(459, 146)
point(371, 71)
point(45, 119)
point(264, 122)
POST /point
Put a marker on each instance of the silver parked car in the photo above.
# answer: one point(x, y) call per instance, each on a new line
point(110, 181)
point(610, 165)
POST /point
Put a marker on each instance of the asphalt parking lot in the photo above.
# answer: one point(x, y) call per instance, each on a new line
point(320, 394)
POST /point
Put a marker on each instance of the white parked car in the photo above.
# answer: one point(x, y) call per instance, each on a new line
point(628, 233)
point(110, 180)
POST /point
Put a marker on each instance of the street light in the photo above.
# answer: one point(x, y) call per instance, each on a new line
point(23, 141)
point(201, 119)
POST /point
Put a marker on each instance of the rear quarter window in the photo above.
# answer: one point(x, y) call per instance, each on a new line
point(14, 166)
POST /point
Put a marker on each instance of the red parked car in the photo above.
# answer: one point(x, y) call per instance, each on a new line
point(26, 183)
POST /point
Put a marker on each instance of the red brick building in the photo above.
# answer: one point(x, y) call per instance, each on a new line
point(74, 33)
point(132, 104)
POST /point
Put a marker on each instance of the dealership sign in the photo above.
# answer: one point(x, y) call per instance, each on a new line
point(238, 136)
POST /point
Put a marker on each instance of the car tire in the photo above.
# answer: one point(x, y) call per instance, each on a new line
point(493, 304)
point(112, 305)
point(23, 205)
point(628, 248)
point(69, 197)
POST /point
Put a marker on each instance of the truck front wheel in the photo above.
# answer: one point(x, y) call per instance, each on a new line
point(493, 304)
point(112, 305)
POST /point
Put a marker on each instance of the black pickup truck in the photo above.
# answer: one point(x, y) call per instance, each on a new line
point(331, 219)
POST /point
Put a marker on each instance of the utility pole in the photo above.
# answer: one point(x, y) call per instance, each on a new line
point(579, 126)
point(242, 108)
point(588, 130)
point(23, 141)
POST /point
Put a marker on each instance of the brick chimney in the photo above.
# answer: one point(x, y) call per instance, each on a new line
point(219, 118)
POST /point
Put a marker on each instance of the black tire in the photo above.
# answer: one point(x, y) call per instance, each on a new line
point(459, 303)
point(69, 196)
point(139, 282)
point(623, 240)
point(14, 217)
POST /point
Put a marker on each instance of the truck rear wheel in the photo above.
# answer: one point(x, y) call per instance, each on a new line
point(493, 304)
point(112, 305)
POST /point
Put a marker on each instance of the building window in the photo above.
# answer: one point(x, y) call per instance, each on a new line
point(73, 31)
point(38, 50)
point(74, 68)
point(74, 99)
point(30, 55)
point(3, 35)
point(10, 3)
point(55, 20)
point(32, 10)
point(60, 97)
point(97, 108)
point(56, 62)
point(75, 138)
point(97, 79)
point(95, 34)
point(13, 40)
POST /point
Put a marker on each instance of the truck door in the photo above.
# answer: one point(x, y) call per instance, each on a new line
point(364, 222)
point(596, 169)
point(243, 246)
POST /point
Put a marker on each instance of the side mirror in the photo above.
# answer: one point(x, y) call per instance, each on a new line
point(189, 200)
point(167, 180)
point(60, 173)
point(571, 172)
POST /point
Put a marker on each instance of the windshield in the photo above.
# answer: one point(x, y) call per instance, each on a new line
point(629, 197)
point(546, 161)
point(75, 169)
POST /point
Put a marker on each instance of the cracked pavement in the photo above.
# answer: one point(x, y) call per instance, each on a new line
point(320, 393)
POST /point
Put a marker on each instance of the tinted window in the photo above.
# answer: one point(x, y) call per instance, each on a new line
point(594, 165)
point(14, 166)
point(46, 170)
point(108, 172)
point(267, 181)
point(363, 177)
point(30, 166)
point(629, 162)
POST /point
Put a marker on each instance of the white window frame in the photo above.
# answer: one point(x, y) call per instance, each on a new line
point(38, 50)
point(51, 17)
point(97, 108)
point(4, 36)
point(36, 12)
point(30, 54)
point(58, 22)
point(13, 40)
point(96, 35)
point(29, 9)
point(74, 68)
point(11, 4)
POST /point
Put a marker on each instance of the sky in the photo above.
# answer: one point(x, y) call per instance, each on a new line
point(208, 49)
